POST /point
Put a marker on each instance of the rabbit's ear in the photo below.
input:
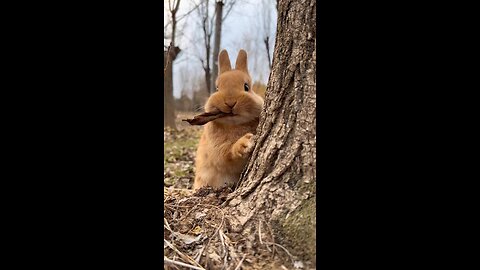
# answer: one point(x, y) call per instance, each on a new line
point(241, 63)
point(223, 62)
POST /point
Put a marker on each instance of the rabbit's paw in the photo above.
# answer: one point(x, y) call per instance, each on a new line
point(244, 146)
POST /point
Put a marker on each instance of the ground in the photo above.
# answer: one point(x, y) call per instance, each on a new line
point(179, 153)
point(196, 227)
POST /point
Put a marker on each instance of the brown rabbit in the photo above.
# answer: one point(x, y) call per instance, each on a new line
point(227, 142)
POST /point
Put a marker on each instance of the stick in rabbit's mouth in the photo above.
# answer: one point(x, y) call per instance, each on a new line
point(206, 117)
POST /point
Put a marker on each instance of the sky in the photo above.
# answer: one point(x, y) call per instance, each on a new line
point(242, 29)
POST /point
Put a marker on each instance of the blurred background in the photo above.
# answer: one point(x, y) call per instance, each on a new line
point(195, 31)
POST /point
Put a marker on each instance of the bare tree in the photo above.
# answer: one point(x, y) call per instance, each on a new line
point(219, 18)
point(189, 85)
point(206, 16)
point(278, 183)
point(250, 44)
point(169, 56)
point(216, 45)
point(258, 41)
point(266, 23)
point(206, 24)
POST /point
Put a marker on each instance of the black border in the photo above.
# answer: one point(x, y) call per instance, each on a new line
point(87, 138)
point(90, 122)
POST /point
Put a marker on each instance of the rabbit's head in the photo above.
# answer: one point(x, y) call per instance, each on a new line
point(234, 92)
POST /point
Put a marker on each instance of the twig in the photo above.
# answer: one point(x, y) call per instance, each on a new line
point(166, 225)
point(291, 256)
point(260, 231)
point(188, 213)
point(240, 263)
point(182, 264)
point(199, 255)
point(218, 228)
point(260, 234)
point(272, 237)
point(183, 256)
point(225, 253)
point(223, 243)
point(175, 205)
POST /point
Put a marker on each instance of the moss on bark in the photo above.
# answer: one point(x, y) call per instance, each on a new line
point(297, 232)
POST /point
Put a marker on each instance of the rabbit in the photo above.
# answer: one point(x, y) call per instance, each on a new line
point(226, 143)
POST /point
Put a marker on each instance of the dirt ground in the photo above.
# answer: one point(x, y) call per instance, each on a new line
point(179, 153)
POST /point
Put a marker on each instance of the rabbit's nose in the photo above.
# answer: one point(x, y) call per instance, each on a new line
point(230, 104)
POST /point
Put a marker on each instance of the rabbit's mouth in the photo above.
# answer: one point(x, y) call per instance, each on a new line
point(229, 113)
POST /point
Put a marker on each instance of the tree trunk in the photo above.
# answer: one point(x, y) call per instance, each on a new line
point(278, 184)
point(207, 35)
point(208, 76)
point(168, 101)
point(168, 58)
point(216, 44)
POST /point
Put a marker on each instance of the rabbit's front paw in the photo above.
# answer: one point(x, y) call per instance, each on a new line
point(244, 146)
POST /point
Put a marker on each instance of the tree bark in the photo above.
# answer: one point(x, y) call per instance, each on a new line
point(278, 184)
point(216, 44)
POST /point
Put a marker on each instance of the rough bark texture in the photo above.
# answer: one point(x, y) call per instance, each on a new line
point(278, 184)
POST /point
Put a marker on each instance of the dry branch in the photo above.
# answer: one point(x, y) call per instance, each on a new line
point(206, 117)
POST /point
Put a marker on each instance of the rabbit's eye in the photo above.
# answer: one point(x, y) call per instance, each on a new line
point(246, 87)
point(216, 89)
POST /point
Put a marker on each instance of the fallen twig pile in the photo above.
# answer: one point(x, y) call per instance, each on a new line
point(196, 236)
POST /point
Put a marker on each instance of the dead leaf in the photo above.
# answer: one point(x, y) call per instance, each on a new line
point(197, 230)
point(206, 117)
point(187, 239)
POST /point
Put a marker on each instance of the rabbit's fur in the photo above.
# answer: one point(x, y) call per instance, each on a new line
point(227, 142)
